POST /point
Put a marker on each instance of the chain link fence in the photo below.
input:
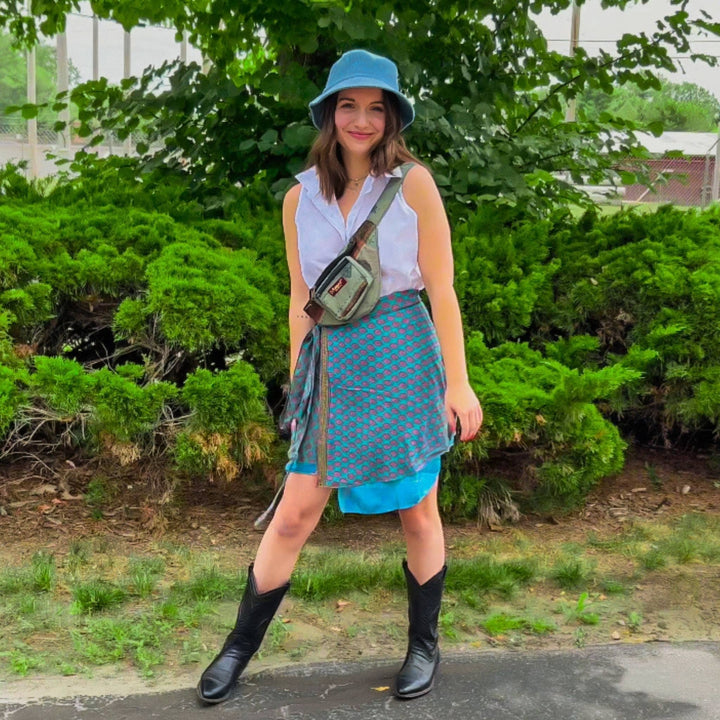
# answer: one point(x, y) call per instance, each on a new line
point(15, 145)
point(688, 181)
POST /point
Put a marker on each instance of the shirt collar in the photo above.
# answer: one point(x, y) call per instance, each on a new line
point(310, 181)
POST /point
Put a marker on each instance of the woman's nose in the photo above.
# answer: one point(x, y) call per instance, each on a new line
point(363, 118)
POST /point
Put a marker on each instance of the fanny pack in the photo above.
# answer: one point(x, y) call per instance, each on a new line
point(349, 287)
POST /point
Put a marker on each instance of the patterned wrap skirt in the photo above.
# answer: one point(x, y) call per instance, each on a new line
point(368, 401)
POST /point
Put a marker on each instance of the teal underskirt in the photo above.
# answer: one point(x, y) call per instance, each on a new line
point(380, 497)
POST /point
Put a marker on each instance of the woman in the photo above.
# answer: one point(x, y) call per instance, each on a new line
point(397, 388)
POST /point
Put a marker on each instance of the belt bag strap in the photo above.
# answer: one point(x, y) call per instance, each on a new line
point(349, 287)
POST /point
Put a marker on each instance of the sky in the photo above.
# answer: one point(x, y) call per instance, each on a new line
point(598, 29)
point(598, 26)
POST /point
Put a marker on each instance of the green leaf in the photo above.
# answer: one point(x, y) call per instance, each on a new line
point(309, 44)
point(299, 136)
point(267, 140)
point(29, 111)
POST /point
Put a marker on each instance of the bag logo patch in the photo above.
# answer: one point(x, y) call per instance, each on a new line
point(338, 286)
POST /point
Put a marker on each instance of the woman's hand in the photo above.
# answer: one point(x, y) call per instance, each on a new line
point(461, 404)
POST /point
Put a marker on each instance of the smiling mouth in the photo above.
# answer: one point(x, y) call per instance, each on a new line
point(360, 136)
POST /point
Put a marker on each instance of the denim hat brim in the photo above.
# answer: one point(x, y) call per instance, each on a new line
point(407, 112)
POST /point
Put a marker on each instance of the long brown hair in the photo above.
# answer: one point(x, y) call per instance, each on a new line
point(326, 155)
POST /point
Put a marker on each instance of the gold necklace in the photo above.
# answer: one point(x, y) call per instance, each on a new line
point(355, 182)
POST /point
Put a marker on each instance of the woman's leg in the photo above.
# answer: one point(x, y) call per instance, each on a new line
point(295, 517)
point(423, 532)
point(425, 577)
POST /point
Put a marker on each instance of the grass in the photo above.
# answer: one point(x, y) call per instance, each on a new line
point(580, 612)
point(22, 659)
point(210, 584)
point(653, 559)
point(38, 577)
point(612, 586)
point(605, 209)
point(634, 621)
point(144, 574)
point(688, 539)
point(335, 574)
point(96, 595)
point(137, 638)
point(571, 573)
point(67, 614)
point(498, 624)
point(484, 575)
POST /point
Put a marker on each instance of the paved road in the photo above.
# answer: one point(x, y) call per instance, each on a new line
point(621, 682)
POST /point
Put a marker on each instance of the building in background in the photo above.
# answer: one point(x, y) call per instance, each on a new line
point(686, 180)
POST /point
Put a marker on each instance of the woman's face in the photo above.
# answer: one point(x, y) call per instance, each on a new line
point(360, 119)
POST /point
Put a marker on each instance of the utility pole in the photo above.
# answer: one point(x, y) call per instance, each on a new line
point(184, 47)
point(126, 74)
point(574, 40)
point(716, 174)
point(32, 122)
point(63, 74)
point(95, 46)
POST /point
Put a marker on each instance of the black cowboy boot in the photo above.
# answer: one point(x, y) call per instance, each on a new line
point(254, 616)
point(417, 674)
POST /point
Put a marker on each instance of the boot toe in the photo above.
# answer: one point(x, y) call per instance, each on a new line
point(217, 681)
point(414, 687)
point(416, 678)
point(211, 690)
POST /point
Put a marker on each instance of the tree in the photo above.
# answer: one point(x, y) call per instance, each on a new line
point(13, 79)
point(678, 106)
point(489, 93)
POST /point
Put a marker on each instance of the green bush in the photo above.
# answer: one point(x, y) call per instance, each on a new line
point(125, 410)
point(546, 414)
point(12, 395)
point(651, 283)
point(133, 315)
point(504, 276)
point(63, 384)
point(224, 402)
point(116, 406)
point(228, 429)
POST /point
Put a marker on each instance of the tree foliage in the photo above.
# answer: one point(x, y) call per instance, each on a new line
point(677, 106)
point(13, 78)
point(489, 93)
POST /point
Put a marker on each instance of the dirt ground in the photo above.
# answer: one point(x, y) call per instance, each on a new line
point(42, 507)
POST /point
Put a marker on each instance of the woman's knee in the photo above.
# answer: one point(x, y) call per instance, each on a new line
point(292, 523)
point(421, 520)
point(299, 509)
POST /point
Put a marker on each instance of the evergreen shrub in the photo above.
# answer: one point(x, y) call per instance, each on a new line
point(136, 321)
point(85, 288)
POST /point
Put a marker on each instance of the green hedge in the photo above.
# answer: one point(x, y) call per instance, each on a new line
point(141, 329)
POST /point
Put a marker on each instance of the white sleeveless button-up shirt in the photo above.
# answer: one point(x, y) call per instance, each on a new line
point(323, 233)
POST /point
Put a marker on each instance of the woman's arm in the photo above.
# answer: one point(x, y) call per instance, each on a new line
point(299, 321)
point(436, 266)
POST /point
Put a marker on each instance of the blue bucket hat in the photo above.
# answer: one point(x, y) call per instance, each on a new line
point(360, 68)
